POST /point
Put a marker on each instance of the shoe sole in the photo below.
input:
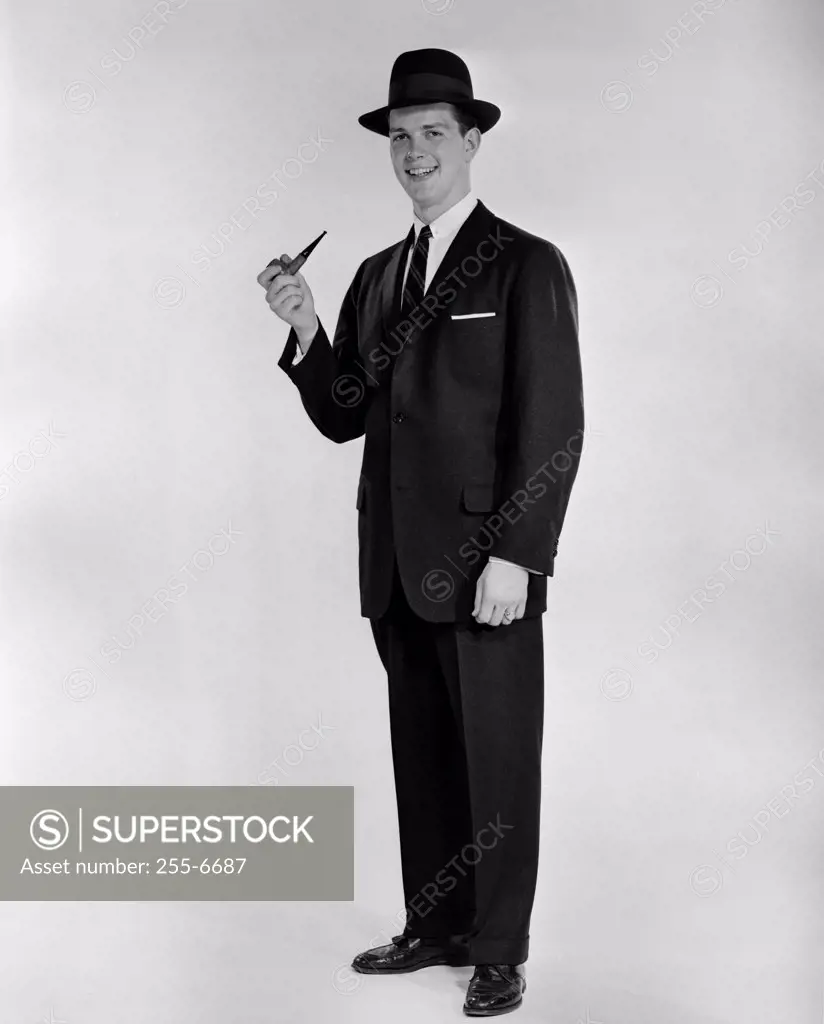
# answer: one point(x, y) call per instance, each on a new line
point(436, 962)
point(496, 1013)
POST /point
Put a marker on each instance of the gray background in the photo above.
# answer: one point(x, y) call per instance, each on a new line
point(176, 421)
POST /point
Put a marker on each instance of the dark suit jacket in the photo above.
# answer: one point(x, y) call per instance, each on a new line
point(473, 426)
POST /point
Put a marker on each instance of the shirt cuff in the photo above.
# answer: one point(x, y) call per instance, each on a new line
point(492, 558)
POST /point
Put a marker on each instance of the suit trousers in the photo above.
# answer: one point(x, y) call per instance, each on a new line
point(466, 705)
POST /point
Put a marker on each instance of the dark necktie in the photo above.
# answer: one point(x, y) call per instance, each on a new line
point(416, 277)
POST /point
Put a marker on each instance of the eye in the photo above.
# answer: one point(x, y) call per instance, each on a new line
point(434, 131)
point(399, 136)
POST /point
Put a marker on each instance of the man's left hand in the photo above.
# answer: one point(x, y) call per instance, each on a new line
point(500, 596)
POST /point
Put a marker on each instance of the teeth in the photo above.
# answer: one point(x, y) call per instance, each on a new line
point(419, 172)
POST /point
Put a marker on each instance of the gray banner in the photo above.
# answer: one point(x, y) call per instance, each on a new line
point(177, 843)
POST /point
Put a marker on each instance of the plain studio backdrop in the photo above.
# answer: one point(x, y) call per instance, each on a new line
point(674, 154)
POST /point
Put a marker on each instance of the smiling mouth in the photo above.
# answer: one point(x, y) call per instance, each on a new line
point(421, 172)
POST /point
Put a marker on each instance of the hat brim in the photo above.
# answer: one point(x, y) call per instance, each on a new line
point(486, 114)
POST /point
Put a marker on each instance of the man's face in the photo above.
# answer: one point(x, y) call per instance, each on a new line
point(430, 156)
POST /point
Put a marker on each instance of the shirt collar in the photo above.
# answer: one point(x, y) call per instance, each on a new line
point(450, 220)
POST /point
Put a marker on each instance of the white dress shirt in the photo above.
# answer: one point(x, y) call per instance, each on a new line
point(444, 229)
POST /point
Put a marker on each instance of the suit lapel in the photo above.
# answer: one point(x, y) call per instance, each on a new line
point(475, 229)
point(392, 279)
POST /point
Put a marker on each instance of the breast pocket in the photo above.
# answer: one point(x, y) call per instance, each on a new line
point(475, 327)
point(475, 349)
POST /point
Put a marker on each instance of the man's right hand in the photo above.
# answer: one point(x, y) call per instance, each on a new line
point(289, 296)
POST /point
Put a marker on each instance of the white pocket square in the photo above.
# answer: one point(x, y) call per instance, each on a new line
point(469, 316)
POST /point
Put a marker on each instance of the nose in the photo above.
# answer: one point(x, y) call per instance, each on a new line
point(415, 151)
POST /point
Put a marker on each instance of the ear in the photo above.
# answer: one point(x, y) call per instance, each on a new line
point(472, 143)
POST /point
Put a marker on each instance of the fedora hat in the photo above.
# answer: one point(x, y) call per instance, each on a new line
point(422, 77)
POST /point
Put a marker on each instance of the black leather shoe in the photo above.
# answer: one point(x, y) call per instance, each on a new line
point(494, 989)
point(404, 955)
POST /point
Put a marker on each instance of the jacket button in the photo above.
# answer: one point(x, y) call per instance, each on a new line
point(398, 417)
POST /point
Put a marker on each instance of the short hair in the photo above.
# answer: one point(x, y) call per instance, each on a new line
point(466, 121)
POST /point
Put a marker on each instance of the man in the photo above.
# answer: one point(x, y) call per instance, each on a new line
point(456, 357)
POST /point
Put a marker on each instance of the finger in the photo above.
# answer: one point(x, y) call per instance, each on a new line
point(519, 611)
point(280, 282)
point(268, 274)
point(283, 279)
point(486, 610)
point(497, 615)
point(286, 308)
point(507, 619)
point(290, 305)
point(286, 302)
point(272, 269)
point(479, 595)
point(274, 298)
point(279, 261)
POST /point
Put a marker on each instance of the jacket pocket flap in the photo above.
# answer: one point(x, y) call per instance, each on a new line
point(478, 497)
